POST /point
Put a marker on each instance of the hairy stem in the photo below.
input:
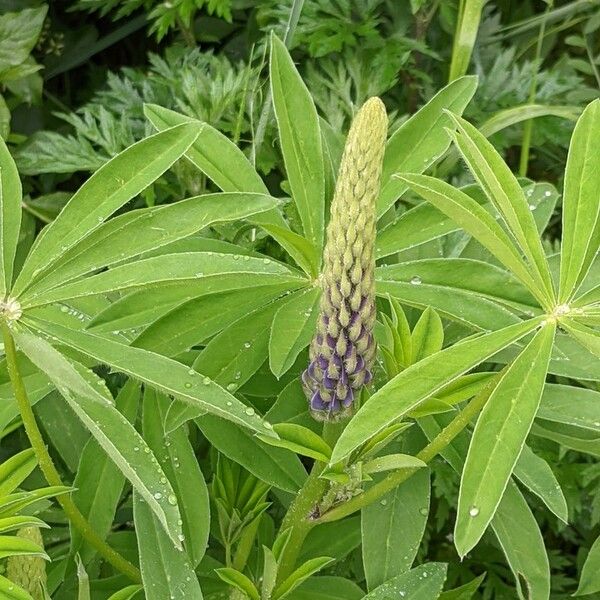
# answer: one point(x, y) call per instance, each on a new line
point(298, 516)
point(49, 470)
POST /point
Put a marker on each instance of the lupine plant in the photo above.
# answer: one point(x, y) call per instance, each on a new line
point(380, 340)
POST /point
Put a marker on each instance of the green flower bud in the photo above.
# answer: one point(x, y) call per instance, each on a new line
point(343, 349)
point(28, 572)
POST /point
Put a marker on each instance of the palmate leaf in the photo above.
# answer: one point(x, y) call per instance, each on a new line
point(581, 208)
point(139, 231)
point(300, 139)
point(421, 381)
point(10, 215)
point(499, 437)
point(164, 374)
point(109, 188)
point(88, 397)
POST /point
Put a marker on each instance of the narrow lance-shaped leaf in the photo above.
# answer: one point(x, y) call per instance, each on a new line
point(89, 398)
point(504, 191)
point(499, 437)
point(581, 207)
point(109, 188)
point(166, 570)
point(300, 138)
point(139, 231)
point(421, 381)
point(474, 219)
point(10, 216)
point(422, 139)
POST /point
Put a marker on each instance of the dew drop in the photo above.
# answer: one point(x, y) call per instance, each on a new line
point(172, 499)
point(249, 411)
point(423, 511)
point(188, 385)
point(158, 495)
point(383, 502)
point(416, 280)
point(231, 387)
point(206, 381)
point(473, 511)
point(191, 372)
point(547, 193)
point(267, 425)
point(247, 344)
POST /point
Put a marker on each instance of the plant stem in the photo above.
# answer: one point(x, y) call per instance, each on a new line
point(428, 453)
point(298, 516)
point(528, 127)
point(46, 464)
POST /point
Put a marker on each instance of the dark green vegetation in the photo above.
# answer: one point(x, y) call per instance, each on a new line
point(166, 179)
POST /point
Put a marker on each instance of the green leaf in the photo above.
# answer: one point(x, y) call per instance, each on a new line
point(292, 329)
point(336, 539)
point(421, 140)
point(574, 406)
point(276, 466)
point(476, 221)
point(11, 591)
point(177, 459)
point(425, 582)
point(537, 476)
point(303, 251)
point(464, 592)
point(89, 398)
point(391, 462)
point(421, 381)
point(589, 338)
point(477, 294)
point(13, 503)
point(467, 25)
point(108, 189)
point(300, 138)
point(327, 588)
point(581, 209)
point(218, 158)
point(197, 320)
point(238, 580)
point(392, 529)
point(523, 545)
point(15, 470)
point(300, 440)
point(98, 482)
point(166, 571)
point(301, 574)
point(504, 191)
point(139, 231)
point(11, 545)
point(164, 374)
point(83, 581)
point(204, 272)
point(589, 580)
point(127, 593)
point(427, 335)
point(19, 32)
point(13, 523)
point(498, 439)
point(10, 207)
point(415, 227)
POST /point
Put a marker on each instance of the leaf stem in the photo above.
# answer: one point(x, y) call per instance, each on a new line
point(427, 454)
point(46, 464)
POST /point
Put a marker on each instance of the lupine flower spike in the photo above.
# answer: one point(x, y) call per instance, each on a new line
point(343, 349)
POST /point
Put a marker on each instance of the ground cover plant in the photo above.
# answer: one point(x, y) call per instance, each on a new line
point(299, 300)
